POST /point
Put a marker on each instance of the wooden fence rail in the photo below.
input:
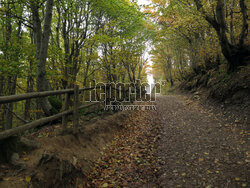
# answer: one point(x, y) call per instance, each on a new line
point(63, 115)
point(16, 98)
point(39, 122)
point(75, 111)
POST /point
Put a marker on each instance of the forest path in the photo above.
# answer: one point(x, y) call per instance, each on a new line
point(181, 144)
point(199, 149)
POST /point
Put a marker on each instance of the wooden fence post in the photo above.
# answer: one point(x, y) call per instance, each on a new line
point(65, 117)
point(76, 110)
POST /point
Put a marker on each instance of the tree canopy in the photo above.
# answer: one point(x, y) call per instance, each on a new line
point(199, 33)
point(49, 45)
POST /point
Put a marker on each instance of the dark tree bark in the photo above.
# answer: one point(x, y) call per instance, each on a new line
point(30, 84)
point(11, 80)
point(169, 65)
point(231, 30)
point(30, 88)
point(42, 43)
point(236, 54)
point(12, 91)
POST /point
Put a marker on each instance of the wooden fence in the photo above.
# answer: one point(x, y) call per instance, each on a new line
point(64, 114)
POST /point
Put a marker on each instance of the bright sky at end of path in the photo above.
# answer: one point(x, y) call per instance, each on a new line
point(149, 76)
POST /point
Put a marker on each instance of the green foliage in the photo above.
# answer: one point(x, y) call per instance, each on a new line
point(83, 111)
point(89, 39)
point(56, 104)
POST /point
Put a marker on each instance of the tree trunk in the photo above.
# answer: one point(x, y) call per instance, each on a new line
point(30, 84)
point(30, 87)
point(12, 91)
point(170, 75)
point(236, 54)
point(2, 83)
point(42, 43)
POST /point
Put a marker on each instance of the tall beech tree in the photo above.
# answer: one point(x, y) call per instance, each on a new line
point(42, 35)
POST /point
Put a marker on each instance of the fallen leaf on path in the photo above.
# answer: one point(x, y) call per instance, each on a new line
point(237, 179)
point(27, 178)
point(105, 185)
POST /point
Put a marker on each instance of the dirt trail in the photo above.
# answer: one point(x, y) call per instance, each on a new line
point(192, 147)
point(180, 144)
point(200, 149)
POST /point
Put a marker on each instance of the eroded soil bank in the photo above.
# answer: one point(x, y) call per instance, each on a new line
point(62, 160)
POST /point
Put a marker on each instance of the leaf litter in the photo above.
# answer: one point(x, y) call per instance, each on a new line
point(129, 160)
